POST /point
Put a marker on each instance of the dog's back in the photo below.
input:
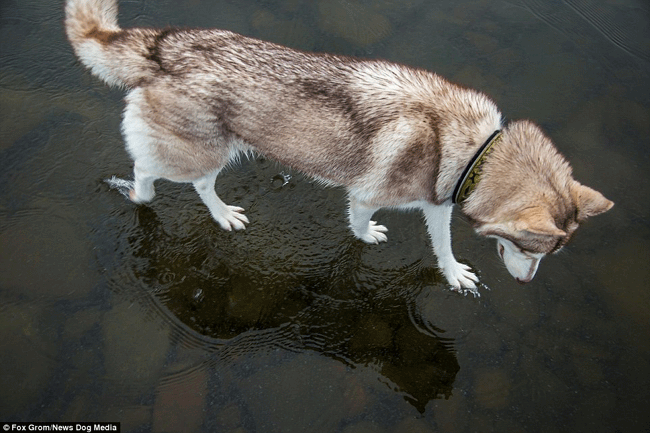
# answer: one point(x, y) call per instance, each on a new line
point(333, 117)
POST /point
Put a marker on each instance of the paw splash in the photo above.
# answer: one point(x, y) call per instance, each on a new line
point(121, 185)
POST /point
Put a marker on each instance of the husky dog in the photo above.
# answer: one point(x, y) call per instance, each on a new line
point(394, 136)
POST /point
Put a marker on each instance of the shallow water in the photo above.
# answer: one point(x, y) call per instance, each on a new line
point(154, 317)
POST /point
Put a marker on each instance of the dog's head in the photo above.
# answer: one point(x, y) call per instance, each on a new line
point(533, 232)
point(528, 201)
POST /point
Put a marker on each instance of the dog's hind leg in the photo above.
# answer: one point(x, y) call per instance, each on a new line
point(228, 217)
point(143, 190)
point(139, 190)
point(362, 227)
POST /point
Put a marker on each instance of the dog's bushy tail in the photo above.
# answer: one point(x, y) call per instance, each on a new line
point(119, 57)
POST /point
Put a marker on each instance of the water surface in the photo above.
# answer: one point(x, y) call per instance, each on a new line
point(154, 317)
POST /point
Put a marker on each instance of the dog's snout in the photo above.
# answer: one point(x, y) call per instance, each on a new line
point(523, 281)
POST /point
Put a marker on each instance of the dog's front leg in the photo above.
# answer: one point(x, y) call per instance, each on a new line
point(438, 220)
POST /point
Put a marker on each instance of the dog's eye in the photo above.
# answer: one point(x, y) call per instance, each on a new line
point(521, 250)
point(528, 254)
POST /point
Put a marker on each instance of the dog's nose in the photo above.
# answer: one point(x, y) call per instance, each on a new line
point(523, 281)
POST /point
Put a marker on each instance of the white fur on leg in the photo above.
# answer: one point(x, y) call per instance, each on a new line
point(362, 227)
point(228, 217)
point(140, 190)
point(458, 275)
point(143, 190)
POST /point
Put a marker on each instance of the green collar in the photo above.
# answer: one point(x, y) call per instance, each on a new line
point(472, 174)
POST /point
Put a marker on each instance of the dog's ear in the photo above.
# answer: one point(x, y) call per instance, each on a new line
point(537, 220)
point(589, 202)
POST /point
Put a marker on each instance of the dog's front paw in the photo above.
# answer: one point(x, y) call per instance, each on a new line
point(461, 278)
point(374, 234)
point(232, 217)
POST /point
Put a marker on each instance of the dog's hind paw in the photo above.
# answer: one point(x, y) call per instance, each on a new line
point(461, 278)
point(232, 218)
point(374, 234)
point(123, 186)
